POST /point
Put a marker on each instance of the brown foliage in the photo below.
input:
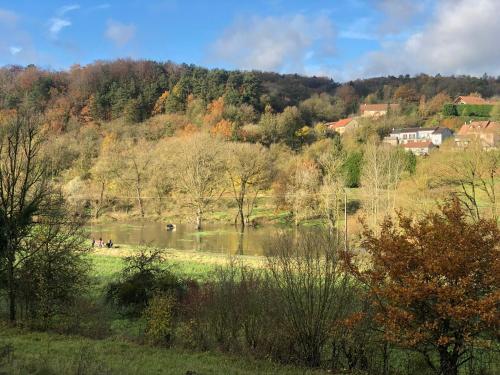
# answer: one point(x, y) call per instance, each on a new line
point(435, 281)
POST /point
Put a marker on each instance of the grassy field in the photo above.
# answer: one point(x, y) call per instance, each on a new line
point(51, 353)
point(47, 354)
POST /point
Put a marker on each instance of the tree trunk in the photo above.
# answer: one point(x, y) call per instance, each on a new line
point(198, 219)
point(12, 287)
point(448, 362)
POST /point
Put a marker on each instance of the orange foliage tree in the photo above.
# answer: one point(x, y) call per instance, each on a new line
point(215, 111)
point(435, 282)
point(224, 129)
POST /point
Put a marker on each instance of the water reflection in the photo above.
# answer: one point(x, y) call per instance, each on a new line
point(214, 237)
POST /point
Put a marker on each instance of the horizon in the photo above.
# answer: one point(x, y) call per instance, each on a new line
point(343, 41)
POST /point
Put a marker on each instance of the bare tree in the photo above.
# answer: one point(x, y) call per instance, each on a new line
point(310, 288)
point(332, 187)
point(199, 172)
point(471, 173)
point(24, 191)
point(302, 191)
point(249, 171)
point(137, 158)
point(382, 171)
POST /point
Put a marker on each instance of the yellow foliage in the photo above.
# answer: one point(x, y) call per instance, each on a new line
point(159, 106)
point(159, 319)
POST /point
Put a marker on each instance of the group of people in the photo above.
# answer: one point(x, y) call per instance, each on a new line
point(101, 243)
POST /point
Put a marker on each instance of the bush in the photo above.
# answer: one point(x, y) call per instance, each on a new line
point(144, 276)
point(474, 110)
point(53, 275)
point(450, 109)
point(159, 317)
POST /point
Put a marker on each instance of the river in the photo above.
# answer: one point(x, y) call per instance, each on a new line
point(216, 238)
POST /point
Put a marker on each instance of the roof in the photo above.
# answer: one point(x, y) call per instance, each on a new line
point(469, 99)
point(377, 107)
point(407, 130)
point(438, 130)
point(418, 144)
point(339, 124)
point(480, 127)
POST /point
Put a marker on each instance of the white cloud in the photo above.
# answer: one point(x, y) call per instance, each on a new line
point(283, 43)
point(461, 37)
point(14, 50)
point(398, 13)
point(67, 8)
point(119, 33)
point(100, 7)
point(56, 25)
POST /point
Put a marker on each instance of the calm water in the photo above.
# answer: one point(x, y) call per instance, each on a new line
point(214, 237)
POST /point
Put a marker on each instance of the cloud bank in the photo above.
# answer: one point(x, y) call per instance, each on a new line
point(460, 38)
point(285, 43)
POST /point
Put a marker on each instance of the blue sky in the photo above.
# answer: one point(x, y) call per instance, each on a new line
point(340, 39)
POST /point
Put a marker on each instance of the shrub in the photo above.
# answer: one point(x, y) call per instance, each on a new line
point(159, 317)
point(144, 276)
point(53, 275)
point(450, 109)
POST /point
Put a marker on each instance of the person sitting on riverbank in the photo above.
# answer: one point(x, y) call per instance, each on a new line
point(100, 243)
point(109, 245)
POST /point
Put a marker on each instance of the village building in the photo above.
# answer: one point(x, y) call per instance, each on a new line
point(420, 148)
point(407, 135)
point(486, 132)
point(377, 110)
point(470, 99)
point(343, 125)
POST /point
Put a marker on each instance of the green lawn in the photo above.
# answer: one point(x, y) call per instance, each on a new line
point(47, 354)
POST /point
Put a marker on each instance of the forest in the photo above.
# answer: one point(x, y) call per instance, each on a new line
point(400, 275)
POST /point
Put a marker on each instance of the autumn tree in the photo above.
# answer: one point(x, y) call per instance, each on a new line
point(199, 172)
point(434, 282)
point(249, 171)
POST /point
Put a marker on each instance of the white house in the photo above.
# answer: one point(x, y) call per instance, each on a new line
point(402, 136)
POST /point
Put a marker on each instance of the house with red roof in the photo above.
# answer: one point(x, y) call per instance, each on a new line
point(420, 148)
point(470, 99)
point(343, 125)
point(486, 132)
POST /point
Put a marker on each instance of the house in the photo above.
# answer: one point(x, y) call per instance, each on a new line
point(406, 135)
point(469, 99)
point(487, 132)
point(420, 148)
point(376, 110)
point(343, 125)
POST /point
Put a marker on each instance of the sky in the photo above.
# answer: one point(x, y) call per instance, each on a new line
point(341, 39)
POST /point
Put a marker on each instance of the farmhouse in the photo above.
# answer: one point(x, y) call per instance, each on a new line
point(377, 110)
point(470, 99)
point(343, 125)
point(486, 132)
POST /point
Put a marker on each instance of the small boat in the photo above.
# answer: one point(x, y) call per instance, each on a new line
point(170, 227)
